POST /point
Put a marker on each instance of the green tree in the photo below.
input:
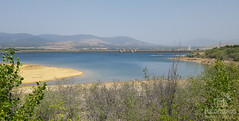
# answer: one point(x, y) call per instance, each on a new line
point(9, 78)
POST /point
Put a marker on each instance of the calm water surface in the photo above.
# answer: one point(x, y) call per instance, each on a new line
point(110, 67)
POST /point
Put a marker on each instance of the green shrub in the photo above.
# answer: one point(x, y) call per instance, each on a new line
point(224, 53)
point(221, 91)
point(10, 108)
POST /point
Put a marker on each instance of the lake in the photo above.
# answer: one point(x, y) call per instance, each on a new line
point(111, 66)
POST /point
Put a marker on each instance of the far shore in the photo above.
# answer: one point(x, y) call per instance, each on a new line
point(35, 73)
point(127, 51)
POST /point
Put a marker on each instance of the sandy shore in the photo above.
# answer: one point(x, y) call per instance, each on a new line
point(204, 61)
point(35, 73)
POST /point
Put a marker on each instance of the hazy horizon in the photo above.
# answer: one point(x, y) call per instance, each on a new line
point(154, 21)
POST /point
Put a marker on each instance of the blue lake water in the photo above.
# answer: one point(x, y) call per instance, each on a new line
point(110, 67)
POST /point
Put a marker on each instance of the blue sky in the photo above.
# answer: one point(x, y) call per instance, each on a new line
point(155, 21)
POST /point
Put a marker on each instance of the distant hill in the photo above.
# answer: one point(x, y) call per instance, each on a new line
point(21, 40)
point(80, 41)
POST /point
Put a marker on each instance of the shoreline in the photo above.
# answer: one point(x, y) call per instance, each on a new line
point(203, 61)
point(35, 73)
point(114, 51)
point(136, 83)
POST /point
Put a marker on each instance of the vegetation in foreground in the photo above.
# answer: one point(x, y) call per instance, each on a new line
point(10, 106)
point(223, 53)
point(210, 96)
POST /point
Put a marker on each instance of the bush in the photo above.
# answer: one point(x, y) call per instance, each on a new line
point(224, 53)
point(10, 108)
point(221, 91)
point(61, 102)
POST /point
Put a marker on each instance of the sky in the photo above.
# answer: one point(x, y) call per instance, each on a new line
point(154, 21)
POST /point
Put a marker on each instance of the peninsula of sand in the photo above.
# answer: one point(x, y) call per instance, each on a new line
point(35, 73)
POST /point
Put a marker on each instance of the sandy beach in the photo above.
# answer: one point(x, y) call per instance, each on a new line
point(35, 73)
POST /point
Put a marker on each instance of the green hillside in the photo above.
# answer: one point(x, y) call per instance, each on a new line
point(228, 52)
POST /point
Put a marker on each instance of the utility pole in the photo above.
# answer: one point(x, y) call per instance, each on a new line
point(180, 46)
point(220, 44)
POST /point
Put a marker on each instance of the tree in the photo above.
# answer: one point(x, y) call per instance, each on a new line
point(9, 78)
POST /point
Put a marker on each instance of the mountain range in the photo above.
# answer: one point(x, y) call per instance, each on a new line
point(80, 41)
point(92, 42)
